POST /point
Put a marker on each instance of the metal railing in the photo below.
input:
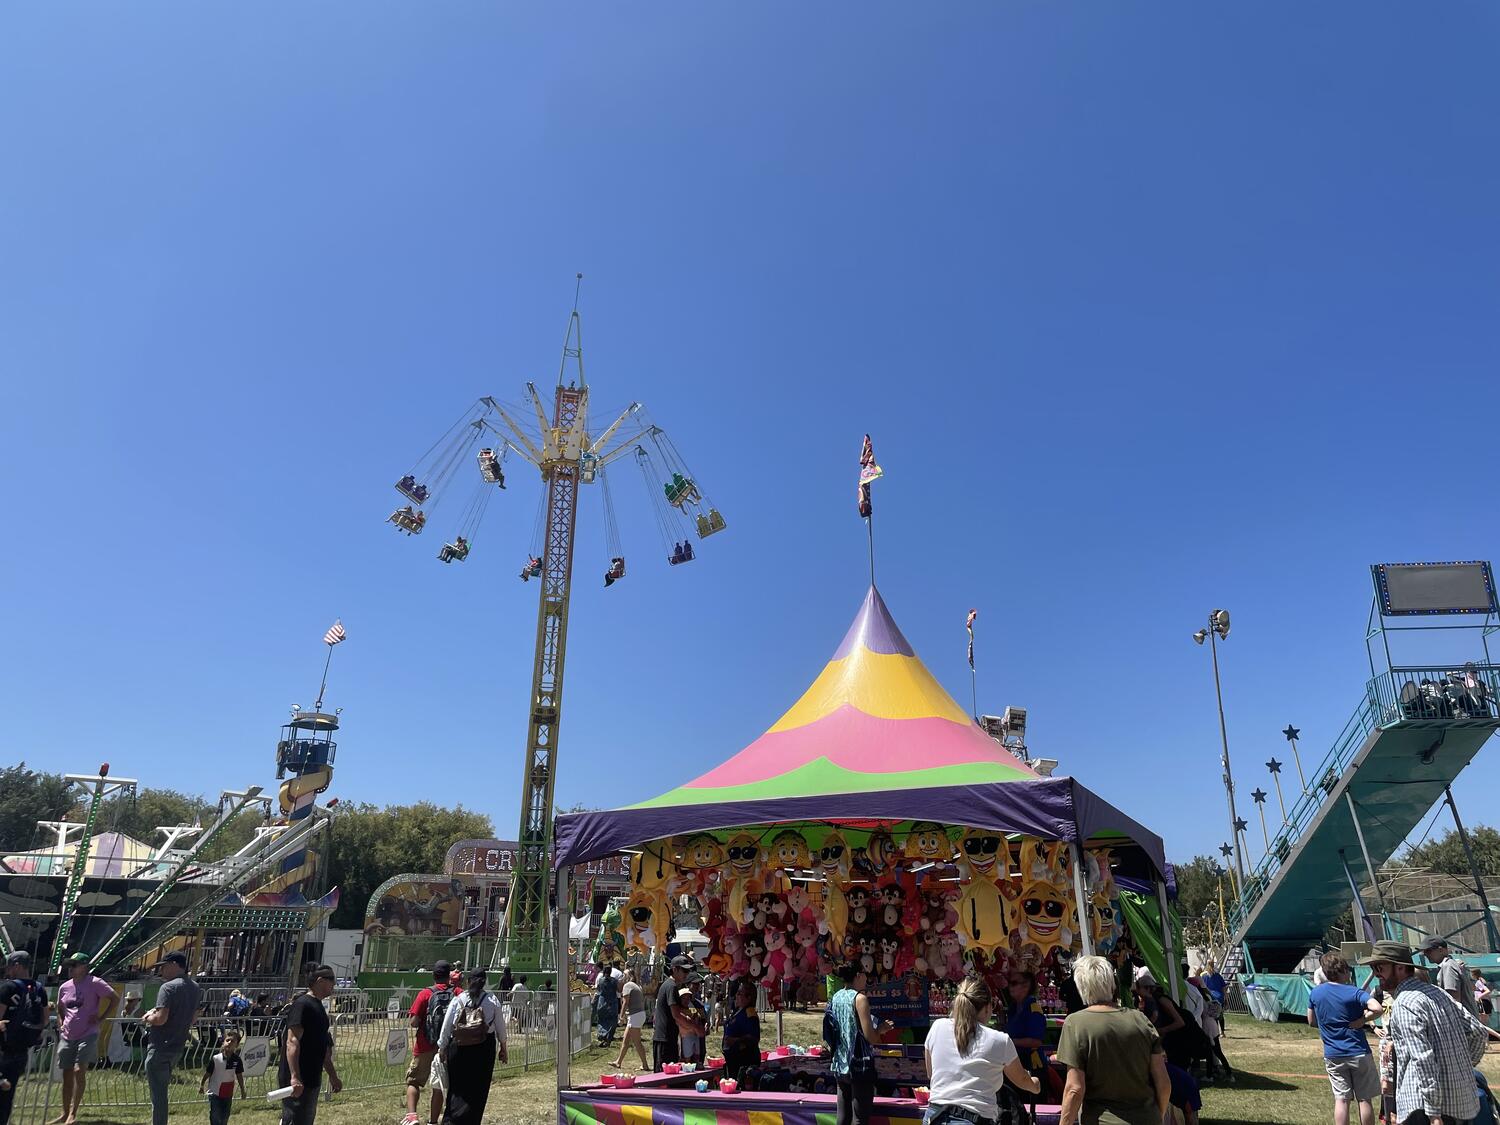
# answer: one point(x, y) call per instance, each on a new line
point(372, 1046)
point(1440, 696)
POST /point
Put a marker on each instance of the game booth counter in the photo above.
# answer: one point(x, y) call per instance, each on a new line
point(876, 823)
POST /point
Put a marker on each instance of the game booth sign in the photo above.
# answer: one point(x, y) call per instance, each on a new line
point(873, 823)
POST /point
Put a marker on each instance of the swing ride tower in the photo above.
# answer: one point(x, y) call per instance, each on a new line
point(568, 454)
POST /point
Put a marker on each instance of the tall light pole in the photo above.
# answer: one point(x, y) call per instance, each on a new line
point(1218, 630)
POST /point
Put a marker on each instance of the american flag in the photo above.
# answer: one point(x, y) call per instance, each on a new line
point(334, 635)
point(969, 625)
point(868, 471)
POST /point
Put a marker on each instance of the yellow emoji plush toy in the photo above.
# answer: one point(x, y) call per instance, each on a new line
point(927, 843)
point(647, 917)
point(702, 856)
point(656, 867)
point(983, 861)
point(789, 851)
point(1043, 913)
point(743, 876)
point(833, 860)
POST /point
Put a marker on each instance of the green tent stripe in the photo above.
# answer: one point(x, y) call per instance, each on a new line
point(822, 777)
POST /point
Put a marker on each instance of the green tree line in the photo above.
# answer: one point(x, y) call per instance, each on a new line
point(366, 845)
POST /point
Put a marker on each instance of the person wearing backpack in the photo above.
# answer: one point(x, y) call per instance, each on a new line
point(849, 1028)
point(428, 1011)
point(23, 1017)
point(473, 1031)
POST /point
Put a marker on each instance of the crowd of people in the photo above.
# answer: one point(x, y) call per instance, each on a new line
point(165, 1030)
point(1128, 1050)
point(84, 1001)
point(1430, 1036)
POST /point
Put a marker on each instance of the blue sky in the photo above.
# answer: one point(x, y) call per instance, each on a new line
point(1149, 308)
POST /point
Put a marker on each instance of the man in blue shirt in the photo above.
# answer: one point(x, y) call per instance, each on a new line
point(1214, 981)
point(1339, 1010)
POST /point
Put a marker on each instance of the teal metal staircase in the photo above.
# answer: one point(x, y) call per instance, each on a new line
point(1403, 745)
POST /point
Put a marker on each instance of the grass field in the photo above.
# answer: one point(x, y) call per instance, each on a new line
point(1280, 1071)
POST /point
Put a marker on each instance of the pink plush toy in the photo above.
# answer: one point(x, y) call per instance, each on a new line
point(807, 947)
point(952, 955)
point(734, 949)
point(776, 955)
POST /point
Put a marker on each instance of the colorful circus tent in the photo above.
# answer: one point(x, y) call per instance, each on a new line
point(875, 738)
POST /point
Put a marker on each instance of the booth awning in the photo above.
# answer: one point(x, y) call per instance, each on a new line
point(874, 738)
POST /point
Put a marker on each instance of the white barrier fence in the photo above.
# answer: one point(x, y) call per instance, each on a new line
point(371, 1050)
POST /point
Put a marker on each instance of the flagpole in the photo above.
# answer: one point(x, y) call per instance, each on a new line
point(870, 529)
point(318, 706)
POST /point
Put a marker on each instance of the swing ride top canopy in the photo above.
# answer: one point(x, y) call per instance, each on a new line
point(875, 738)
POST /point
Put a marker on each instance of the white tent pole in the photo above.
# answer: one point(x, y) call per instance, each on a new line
point(1166, 941)
point(1080, 896)
point(563, 914)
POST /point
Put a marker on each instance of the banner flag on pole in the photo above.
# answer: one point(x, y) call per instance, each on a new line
point(969, 625)
point(334, 635)
point(868, 471)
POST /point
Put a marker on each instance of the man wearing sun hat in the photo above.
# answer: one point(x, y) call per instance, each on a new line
point(1437, 1043)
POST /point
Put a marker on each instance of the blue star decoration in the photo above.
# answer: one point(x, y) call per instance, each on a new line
point(1274, 766)
point(1226, 850)
point(1240, 824)
point(1259, 796)
point(1291, 733)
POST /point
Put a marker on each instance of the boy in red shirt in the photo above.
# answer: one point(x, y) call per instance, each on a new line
point(427, 1012)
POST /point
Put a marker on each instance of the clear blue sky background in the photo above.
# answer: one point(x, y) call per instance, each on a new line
point(1149, 308)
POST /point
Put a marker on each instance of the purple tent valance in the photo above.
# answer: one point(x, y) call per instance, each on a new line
point(1056, 808)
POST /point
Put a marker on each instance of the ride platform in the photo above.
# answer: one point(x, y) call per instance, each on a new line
point(1390, 765)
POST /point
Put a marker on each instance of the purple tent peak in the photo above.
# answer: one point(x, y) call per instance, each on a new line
point(875, 630)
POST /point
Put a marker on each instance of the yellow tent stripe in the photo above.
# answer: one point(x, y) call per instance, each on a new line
point(885, 686)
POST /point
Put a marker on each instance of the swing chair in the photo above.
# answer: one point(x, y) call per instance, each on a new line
point(671, 522)
point(612, 545)
point(427, 480)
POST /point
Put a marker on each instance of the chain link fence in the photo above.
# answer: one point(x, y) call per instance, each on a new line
point(372, 1046)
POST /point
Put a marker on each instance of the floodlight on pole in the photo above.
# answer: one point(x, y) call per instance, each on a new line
point(1218, 630)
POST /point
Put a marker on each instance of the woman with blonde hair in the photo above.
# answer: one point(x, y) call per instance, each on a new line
point(1117, 1074)
point(968, 1061)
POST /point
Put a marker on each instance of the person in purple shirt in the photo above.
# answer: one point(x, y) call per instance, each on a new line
point(82, 1002)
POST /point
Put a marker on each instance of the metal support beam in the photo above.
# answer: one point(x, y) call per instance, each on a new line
point(1080, 895)
point(528, 906)
point(102, 787)
point(229, 810)
point(1359, 833)
point(1484, 901)
point(1361, 915)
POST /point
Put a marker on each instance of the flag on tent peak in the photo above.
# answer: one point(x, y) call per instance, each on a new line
point(874, 719)
point(868, 471)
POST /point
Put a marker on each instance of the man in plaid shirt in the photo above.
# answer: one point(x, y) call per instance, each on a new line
point(1437, 1043)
